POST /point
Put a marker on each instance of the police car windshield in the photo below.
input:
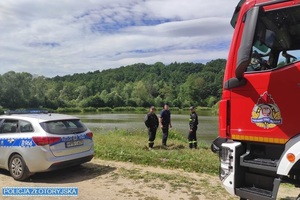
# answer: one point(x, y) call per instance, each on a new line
point(64, 126)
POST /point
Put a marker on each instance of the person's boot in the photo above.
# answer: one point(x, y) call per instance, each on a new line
point(164, 143)
point(195, 145)
point(190, 144)
point(151, 145)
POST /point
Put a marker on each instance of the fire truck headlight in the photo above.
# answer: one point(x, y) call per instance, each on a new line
point(224, 154)
point(223, 173)
point(225, 162)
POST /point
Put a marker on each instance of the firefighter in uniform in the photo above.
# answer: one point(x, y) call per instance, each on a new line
point(165, 123)
point(193, 123)
point(151, 122)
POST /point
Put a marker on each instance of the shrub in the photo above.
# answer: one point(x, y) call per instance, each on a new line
point(68, 110)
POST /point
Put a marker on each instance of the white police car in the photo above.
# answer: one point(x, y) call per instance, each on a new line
point(38, 141)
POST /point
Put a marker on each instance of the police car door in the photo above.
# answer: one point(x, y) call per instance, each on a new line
point(8, 135)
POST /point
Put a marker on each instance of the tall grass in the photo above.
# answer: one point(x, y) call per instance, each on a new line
point(131, 146)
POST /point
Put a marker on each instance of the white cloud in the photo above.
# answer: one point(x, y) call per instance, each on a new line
point(61, 37)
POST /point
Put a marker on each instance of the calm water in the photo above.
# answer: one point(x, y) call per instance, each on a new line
point(207, 128)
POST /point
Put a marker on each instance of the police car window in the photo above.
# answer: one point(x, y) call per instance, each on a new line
point(25, 126)
point(9, 126)
point(64, 126)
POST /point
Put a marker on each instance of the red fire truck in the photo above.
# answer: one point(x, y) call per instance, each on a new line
point(259, 113)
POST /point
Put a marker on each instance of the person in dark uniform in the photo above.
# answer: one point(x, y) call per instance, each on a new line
point(193, 123)
point(165, 123)
point(151, 122)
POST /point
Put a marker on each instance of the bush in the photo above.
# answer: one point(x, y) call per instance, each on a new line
point(68, 110)
point(121, 109)
point(174, 109)
point(141, 109)
point(89, 109)
point(104, 109)
point(215, 108)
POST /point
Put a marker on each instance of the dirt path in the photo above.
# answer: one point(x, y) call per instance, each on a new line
point(108, 180)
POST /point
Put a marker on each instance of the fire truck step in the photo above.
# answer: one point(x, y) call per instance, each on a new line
point(262, 161)
point(258, 163)
point(257, 193)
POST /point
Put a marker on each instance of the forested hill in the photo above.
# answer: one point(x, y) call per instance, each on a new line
point(180, 84)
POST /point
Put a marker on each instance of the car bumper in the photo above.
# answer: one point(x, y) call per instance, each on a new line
point(70, 163)
point(47, 162)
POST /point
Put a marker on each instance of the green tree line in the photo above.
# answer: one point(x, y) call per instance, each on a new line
point(137, 85)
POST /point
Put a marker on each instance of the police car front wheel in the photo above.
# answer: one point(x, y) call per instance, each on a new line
point(18, 168)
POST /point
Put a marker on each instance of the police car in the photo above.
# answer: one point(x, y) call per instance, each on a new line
point(38, 141)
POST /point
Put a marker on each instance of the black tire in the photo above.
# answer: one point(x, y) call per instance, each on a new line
point(18, 168)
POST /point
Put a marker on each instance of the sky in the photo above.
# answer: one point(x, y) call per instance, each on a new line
point(62, 37)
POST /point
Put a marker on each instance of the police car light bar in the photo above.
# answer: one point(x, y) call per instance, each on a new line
point(10, 112)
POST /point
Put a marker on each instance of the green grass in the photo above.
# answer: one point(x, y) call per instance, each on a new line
point(122, 145)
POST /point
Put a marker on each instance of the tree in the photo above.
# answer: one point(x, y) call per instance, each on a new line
point(114, 100)
point(180, 84)
point(39, 87)
point(141, 95)
point(82, 92)
point(15, 90)
point(68, 92)
point(192, 90)
point(93, 101)
point(166, 92)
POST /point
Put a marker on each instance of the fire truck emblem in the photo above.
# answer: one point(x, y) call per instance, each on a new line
point(266, 113)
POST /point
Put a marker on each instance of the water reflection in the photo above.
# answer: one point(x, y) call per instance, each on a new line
point(207, 128)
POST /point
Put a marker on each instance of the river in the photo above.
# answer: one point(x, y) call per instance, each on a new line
point(207, 128)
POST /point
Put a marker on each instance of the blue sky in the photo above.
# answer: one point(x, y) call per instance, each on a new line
point(62, 37)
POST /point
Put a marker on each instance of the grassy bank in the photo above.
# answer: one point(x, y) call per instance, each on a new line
point(123, 109)
point(121, 145)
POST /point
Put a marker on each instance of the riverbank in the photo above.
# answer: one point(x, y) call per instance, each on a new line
point(131, 146)
point(112, 180)
point(192, 172)
point(129, 109)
